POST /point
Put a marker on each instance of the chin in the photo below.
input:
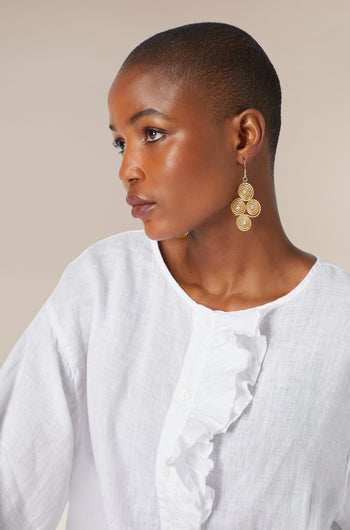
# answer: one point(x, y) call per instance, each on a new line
point(160, 234)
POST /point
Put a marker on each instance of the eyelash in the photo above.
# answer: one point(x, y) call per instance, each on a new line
point(119, 144)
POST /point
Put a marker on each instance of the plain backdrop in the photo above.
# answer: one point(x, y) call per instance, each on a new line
point(59, 172)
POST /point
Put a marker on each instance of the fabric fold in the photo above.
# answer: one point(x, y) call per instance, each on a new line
point(235, 351)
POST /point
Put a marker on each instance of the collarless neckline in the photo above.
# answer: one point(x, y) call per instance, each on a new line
point(241, 312)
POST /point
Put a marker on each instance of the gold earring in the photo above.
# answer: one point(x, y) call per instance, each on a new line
point(245, 207)
point(182, 236)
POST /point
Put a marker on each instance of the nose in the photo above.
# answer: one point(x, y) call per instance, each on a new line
point(130, 169)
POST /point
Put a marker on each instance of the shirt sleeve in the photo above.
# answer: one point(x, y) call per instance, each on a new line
point(39, 424)
point(343, 516)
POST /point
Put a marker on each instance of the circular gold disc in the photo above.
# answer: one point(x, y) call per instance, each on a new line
point(238, 206)
point(245, 191)
point(243, 222)
point(253, 208)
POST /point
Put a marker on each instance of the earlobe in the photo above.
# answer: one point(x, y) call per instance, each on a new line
point(251, 131)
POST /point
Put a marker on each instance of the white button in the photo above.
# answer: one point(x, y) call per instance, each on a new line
point(206, 321)
point(185, 394)
point(166, 470)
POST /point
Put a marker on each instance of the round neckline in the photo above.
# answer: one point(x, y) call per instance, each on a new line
point(241, 312)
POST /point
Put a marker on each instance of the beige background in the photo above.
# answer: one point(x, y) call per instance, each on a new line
point(59, 186)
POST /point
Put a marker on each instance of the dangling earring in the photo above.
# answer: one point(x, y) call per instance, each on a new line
point(245, 207)
point(182, 236)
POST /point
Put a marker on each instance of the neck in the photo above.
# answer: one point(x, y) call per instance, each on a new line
point(221, 261)
point(218, 258)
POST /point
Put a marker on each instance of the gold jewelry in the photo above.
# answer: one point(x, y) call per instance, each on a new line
point(245, 207)
point(182, 236)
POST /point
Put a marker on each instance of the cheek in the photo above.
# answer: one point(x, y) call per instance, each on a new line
point(181, 178)
point(194, 192)
point(186, 159)
point(175, 169)
point(193, 174)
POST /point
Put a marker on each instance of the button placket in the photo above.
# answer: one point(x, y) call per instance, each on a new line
point(169, 483)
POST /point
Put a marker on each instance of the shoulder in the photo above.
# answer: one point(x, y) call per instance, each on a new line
point(115, 258)
point(117, 244)
point(331, 288)
point(334, 277)
point(112, 252)
point(104, 276)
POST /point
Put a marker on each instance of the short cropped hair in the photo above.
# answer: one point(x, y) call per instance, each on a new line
point(226, 62)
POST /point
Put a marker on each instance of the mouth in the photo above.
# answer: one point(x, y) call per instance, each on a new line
point(141, 210)
point(140, 206)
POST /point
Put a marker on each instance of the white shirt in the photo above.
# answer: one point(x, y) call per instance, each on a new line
point(150, 411)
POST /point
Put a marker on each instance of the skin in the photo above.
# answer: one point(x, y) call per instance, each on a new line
point(191, 167)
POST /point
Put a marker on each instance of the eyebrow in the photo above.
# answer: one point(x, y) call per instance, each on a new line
point(145, 112)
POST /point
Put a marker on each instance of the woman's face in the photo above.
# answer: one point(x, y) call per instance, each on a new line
point(174, 156)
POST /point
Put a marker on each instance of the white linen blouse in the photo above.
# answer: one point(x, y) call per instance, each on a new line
point(147, 410)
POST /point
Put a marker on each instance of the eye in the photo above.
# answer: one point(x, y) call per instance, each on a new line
point(153, 135)
point(119, 145)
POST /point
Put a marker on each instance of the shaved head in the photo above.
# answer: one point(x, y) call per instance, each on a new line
point(222, 62)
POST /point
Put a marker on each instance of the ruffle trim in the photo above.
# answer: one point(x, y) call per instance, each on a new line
point(224, 391)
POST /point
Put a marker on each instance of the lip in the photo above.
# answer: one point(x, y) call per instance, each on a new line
point(140, 207)
point(141, 210)
point(134, 200)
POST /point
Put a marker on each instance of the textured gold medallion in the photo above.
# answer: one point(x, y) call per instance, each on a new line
point(243, 222)
point(237, 206)
point(253, 208)
point(245, 191)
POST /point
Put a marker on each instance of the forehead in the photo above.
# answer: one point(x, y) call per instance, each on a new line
point(138, 87)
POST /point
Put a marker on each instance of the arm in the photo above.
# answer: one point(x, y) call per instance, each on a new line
point(39, 424)
point(343, 516)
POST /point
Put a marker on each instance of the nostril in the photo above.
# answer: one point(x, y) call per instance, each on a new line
point(130, 171)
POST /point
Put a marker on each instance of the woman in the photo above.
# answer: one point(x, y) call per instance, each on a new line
point(194, 375)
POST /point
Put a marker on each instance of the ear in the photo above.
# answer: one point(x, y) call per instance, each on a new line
point(249, 128)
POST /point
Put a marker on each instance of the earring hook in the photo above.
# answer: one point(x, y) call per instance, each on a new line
point(245, 178)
